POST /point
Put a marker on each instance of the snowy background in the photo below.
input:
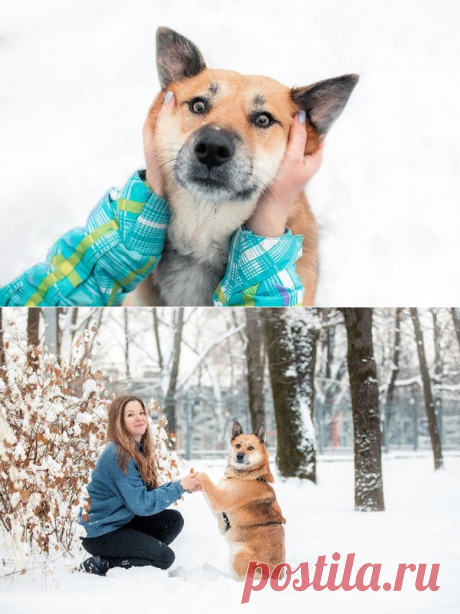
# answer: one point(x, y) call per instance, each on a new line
point(420, 526)
point(76, 81)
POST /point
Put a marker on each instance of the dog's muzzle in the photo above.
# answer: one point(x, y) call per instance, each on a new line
point(215, 163)
point(240, 457)
point(214, 148)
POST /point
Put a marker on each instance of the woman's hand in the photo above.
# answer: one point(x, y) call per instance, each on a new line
point(269, 219)
point(153, 175)
point(190, 483)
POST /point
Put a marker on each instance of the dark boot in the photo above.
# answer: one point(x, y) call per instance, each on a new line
point(96, 565)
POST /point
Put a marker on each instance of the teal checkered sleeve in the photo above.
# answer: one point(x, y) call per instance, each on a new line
point(261, 272)
point(122, 243)
point(97, 265)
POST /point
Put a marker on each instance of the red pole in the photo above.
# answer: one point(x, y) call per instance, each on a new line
point(335, 433)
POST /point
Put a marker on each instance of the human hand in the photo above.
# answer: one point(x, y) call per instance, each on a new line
point(190, 483)
point(154, 175)
point(296, 169)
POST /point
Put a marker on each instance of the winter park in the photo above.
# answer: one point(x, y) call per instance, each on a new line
point(362, 428)
point(180, 459)
point(386, 197)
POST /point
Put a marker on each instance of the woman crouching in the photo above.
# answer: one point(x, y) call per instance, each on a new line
point(127, 523)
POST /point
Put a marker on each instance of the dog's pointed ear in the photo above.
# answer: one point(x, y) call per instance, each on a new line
point(260, 433)
point(324, 101)
point(177, 57)
point(236, 430)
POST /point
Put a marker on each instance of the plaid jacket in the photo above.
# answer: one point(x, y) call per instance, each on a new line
point(122, 243)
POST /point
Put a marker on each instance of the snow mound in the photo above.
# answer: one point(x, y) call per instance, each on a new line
point(200, 575)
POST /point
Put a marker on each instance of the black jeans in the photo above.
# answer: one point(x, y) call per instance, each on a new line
point(143, 541)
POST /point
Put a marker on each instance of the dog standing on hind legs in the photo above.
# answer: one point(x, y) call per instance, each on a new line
point(245, 504)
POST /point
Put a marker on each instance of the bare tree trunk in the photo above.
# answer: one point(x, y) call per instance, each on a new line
point(170, 401)
point(365, 407)
point(60, 311)
point(437, 344)
point(328, 346)
point(156, 330)
point(73, 320)
point(292, 451)
point(255, 364)
point(223, 417)
point(51, 329)
point(89, 347)
point(33, 334)
point(429, 401)
point(438, 368)
point(126, 327)
point(305, 327)
point(455, 312)
point(393, 376)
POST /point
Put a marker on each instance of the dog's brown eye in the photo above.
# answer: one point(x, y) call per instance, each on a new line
point(238, 445)
point(198, 106)
point(263, 120)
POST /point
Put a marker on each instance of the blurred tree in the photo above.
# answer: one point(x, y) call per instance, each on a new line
point(127, 341)
point(428, 394)
point(455, 312)
point(170, 399)
point(291, 364)
point(33, 334)
point(305, 329)
point(365, 408)
point(255, 367)
point(394, 371)
point(329, 386)
point(438, 367)
point(156, 330)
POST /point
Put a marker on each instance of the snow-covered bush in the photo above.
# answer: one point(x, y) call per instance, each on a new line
point(53, 417)
point(52, 425)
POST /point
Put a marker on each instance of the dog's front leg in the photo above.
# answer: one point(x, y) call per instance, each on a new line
point(215, 496)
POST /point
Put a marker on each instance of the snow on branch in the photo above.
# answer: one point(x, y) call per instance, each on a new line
point(205, 352)
point(52, 423)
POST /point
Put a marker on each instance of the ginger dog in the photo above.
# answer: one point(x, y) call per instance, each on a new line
point(245, 504)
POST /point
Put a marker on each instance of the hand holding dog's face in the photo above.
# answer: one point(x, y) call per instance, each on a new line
point(153, 162)
point(296, 169)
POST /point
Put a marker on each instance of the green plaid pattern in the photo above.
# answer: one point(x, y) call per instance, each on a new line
point(261, 272)
point(97, 265)
point(122, 243)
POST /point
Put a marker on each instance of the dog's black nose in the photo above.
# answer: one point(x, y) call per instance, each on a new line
point(240, 457)
point(214, 148)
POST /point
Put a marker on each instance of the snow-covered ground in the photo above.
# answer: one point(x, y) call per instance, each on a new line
point(76, 80)
point(420, 525)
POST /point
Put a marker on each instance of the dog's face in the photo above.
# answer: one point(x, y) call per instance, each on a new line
point(228, 134)
point(247, 451)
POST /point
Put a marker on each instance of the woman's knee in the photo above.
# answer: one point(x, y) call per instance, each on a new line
point(167, 559)
point(177, 519)
point(92, 545)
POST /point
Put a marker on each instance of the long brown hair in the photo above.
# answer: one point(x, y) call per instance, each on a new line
point(145, 458)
